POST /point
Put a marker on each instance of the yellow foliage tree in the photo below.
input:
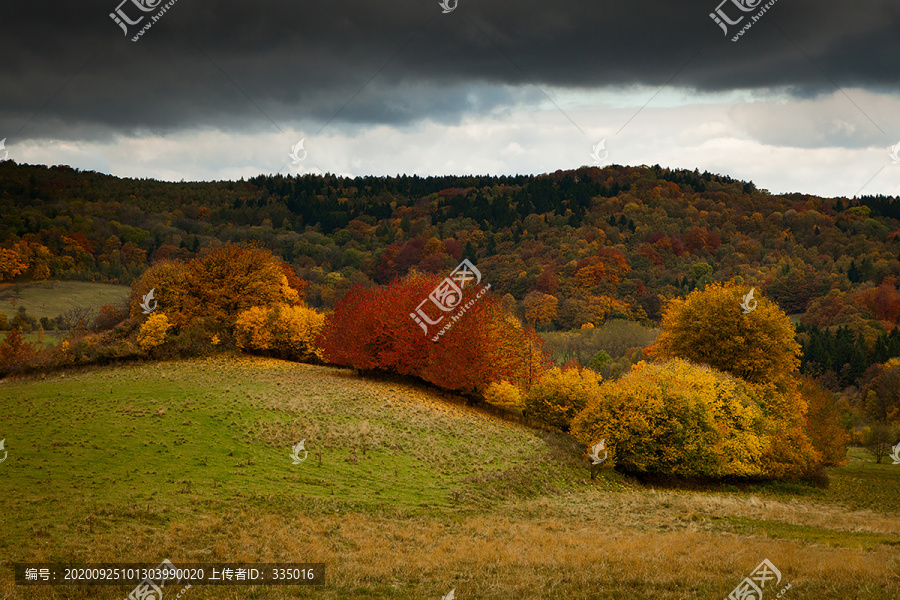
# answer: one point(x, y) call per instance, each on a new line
point(254, 330)
point(153, 331)
point(599, 308)
point(677, 418)
point(559, 395)
point(790, 453)
point(709, 327)
point(296, 330)
point(40, 261)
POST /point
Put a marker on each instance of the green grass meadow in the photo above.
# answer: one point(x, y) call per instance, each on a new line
point(52, 298)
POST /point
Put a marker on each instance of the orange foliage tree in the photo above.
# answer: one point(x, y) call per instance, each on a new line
point(169, 281)
point(608, 265)
point(232, 278)
point(882, 302)
point(15, 352)
point(12, 264)
point(27, 259)
point(296, 283)
point(218, 286)
point(540, 308)
point(823, 423)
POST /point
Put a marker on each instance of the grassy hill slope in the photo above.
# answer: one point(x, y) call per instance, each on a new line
point(406, 493)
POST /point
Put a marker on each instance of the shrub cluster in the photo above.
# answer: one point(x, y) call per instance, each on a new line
point(231, 295)
point(722, 402)
point(680, 419)
point(561, 394)
point(283, 331)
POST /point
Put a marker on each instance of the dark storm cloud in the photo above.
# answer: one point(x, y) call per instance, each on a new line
point(69, 71)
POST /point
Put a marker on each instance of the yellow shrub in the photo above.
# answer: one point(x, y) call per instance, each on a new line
point(560, 395)
point(282, 330)
point(296, 330)
point(253, 329)
point(505, 395)
point(153, 331)
point(677, 418)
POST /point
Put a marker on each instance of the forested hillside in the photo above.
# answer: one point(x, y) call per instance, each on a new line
point(566, 250)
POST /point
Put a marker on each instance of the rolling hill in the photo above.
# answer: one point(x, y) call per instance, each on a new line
point(406, 493)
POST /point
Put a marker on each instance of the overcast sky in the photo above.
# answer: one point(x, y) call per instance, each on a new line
point(807, 99)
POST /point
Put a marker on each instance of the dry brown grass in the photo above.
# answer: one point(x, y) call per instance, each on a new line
point(496, 556)
point(637, 509)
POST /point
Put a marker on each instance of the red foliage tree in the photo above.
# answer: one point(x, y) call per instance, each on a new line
point(109, 317)
point(700, 238)
point(651, 253)
point(453, 249)
point(834, 308)
point(547, 281)
point(82, 240)
point(167, 252)
point(371, 328)
point(882, 302)
point(398, 258)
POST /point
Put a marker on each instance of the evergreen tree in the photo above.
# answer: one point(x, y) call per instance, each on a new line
point(853, 274)
point(469, 251)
